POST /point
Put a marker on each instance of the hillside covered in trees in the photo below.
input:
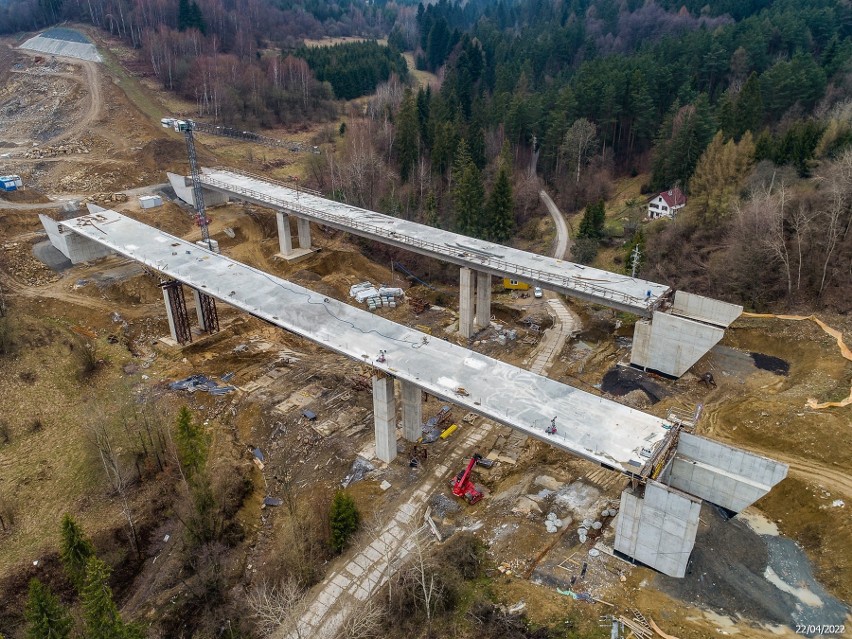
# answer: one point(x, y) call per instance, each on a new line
point(726, 100)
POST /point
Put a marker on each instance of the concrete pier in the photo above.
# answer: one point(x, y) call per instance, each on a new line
point(170, 316)
point(304, 228)
point(412, 410)
point(483, 300)
point(384, 415)
point(285, 237)
point(466, 301)
point(199, 310)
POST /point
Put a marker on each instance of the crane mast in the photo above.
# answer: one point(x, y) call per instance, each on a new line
point(186, 127)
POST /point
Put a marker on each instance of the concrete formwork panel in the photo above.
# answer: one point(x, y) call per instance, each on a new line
point(384, 415)
point(658, 528)
point(673, 344)
point(723, 475)
point(705, 309)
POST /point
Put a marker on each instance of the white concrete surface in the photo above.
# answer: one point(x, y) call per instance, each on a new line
point(705, 309)
point(182, 186)
point(304, 228)
point(75, 247)
point(467, 301)
point(730, 477)
point(483, 300)
point(670, 344)
point(412, 410)
point(611, 289)
point(658, 528)
point(64, 48)
point(285, 236)
point(591, 427)
point(384, 417)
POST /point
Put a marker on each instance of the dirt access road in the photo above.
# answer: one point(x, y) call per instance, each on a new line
point(565, 321)
point(91, 81)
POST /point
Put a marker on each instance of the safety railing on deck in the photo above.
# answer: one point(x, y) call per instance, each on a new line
point(377, 232)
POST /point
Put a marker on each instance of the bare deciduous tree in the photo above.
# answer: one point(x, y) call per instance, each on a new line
point(579, 144)
point(118, 474)
point(363, 623)
point(275, 605)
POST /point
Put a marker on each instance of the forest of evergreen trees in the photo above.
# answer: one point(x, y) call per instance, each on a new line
point(574, 92)
point(583, 92)
point(354, 68)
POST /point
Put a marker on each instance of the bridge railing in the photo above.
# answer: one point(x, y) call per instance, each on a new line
point(509, 268)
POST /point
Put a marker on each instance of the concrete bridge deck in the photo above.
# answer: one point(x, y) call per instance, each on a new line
point(590, 427)
point(614, 290)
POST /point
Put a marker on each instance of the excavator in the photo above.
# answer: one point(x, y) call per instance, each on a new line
point(463, 487)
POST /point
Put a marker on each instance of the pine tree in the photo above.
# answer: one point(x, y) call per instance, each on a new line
point(75, 551)
point(99, 610)
point(46, 617)
point(468, 193)
point(749, 111)
point(100, 613)
point(191, 443)
point(406, 144)
point(431, 207)
point(592, 224)
point(501, 216)
point(345, 520)
point(184, 16)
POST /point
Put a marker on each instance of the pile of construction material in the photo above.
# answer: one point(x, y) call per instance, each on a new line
point(106, 197)
point(68, 148)
point(374, 298)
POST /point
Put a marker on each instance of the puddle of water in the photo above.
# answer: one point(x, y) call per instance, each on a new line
point(771, 363)
point(724, 623)
point(759, 523)
point(802, 594)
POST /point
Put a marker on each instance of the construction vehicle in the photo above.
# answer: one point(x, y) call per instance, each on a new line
point(463, 487)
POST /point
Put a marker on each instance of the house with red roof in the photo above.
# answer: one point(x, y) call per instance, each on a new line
point(666, 204)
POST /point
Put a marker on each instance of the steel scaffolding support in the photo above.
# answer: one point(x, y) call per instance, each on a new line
point(176, 307)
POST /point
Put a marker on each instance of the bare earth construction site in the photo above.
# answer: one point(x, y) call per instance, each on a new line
point(293, 417)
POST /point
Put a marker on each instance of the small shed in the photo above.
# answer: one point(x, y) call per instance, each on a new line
point(150, 201)
point(10, 182)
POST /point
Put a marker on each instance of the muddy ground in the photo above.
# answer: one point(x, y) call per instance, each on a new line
point(765, 371)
